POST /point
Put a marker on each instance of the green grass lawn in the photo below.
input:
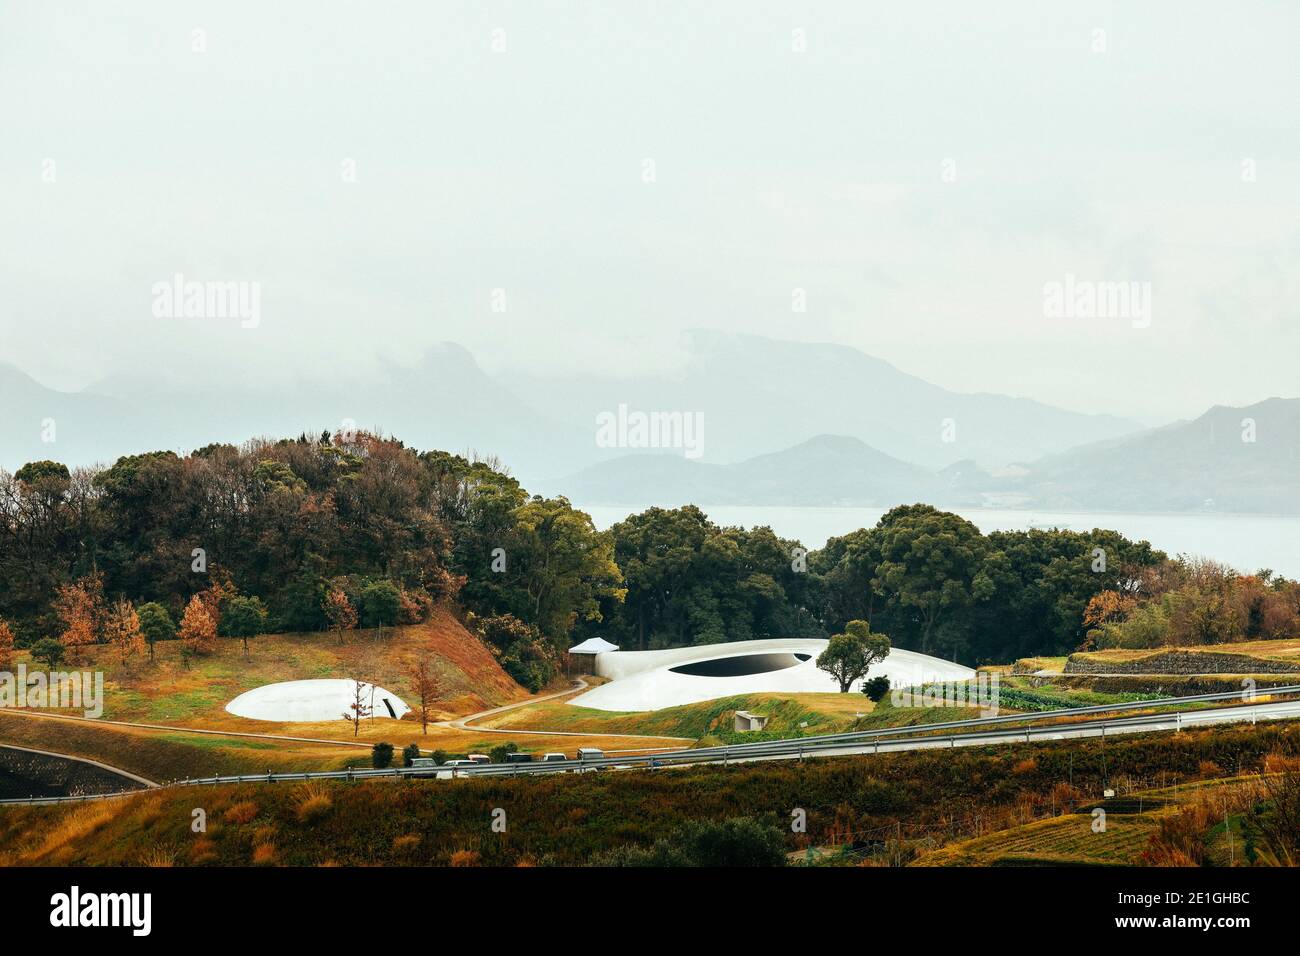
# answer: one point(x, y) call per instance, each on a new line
point(787, 713)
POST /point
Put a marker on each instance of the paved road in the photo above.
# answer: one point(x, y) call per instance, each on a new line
point(1099, 728)
point(1087, 722)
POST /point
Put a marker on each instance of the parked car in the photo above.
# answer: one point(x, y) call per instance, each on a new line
point(479, 758)
point(590, 753)
point(519, 758)
point(555, 758)
point(448, 770)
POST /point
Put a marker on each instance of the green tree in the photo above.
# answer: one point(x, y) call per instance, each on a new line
point(689, 581)
point(156, 623)
point(933, 563)
point(564, 564)
point(521, 650)
point(848, 656)
point(49, 652)
point(381, 601)
point(242, 617)
point(409, 754)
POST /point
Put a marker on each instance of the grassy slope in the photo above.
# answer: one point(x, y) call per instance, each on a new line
point(823, 713)
point(163, 756)
point(164, 691)
point(568, 818)
point(1069, 840)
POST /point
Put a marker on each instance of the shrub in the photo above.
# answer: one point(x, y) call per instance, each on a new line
point(464, 858)
point(405, 843)
point(740, 841)
point(202, 850)
point(313, 803)
point(264, 854)
point(876, 688)
point(381, 755)
point(498, 753)
point(48, 651)
point(243, 812)
point(409, 753)
point(159, 856)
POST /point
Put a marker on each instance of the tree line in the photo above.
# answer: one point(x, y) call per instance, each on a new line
point(331, 532)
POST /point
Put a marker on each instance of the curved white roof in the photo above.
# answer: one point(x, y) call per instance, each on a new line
point(313, 700)
point(645, 680)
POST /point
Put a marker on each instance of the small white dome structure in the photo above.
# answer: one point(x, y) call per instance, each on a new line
point(305, 701)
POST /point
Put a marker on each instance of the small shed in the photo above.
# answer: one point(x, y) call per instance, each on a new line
point(581, 658)
point(746, 721)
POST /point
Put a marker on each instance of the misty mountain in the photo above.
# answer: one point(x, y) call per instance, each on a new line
point(39, 423)
point(754, 395)
point(825, 470)
point(1202, 465)
point(1227, 460)
point(445, 400)
point(757, 394)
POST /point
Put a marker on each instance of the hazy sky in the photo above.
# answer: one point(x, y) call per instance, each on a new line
point(1124, 155)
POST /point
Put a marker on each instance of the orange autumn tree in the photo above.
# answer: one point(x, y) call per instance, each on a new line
point(80, 609)
point(215, 593)
point(1106, 607)
point(122, 628)
point(342, 616)
point(198, 631)
point(6, 646)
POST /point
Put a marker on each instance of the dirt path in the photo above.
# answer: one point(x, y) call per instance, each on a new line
point(99, 721)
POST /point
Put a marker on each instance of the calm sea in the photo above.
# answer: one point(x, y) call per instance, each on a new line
point(1246, 542)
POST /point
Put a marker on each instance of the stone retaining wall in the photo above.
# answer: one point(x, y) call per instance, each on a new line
point(1181, 662)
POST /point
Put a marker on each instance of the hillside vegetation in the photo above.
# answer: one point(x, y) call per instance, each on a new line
point(925, 797)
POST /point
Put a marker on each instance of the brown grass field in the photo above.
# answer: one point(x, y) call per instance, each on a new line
point(1070, 840)
point(175, 701)
point(934, 797)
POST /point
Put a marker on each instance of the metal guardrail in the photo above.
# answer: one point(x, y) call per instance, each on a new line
point(798, 747)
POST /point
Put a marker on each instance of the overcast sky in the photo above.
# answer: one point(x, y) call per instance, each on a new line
point(505, 146)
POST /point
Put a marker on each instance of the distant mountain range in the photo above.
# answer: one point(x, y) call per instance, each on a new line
point(758, 394)
point(828, 469)
point(849, 429)
point(1202, 465)
point(1229, 460)
point(444, 401)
